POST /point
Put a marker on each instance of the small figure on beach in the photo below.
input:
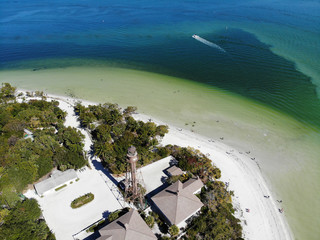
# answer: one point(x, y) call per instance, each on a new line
point(227, 184)
point(280, 201)
point(248, 152)
point(247, 210)
point(266, 196)
point(281, 210)
point(253, 158)
point(221, 138)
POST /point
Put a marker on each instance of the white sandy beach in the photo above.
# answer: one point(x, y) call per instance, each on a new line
point(264, 221)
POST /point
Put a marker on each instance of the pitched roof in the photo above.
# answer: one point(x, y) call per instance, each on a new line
point(57, 178)
point(127, 227)
point(177, 202)
point(174, 171)
point(193, 185)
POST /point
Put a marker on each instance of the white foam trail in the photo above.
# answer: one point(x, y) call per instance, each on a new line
point(206, 42)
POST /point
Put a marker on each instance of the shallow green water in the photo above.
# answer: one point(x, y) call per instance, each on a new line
point(263, 90)
point(286, 149)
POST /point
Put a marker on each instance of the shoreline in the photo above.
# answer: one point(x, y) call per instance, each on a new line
point(264, 221)
point(286, 149)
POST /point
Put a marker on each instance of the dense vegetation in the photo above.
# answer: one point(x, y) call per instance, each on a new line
point(216, 220)
point(82, 200)
point(114, 131)
point(195, 162)
point(23, 222)
point(25, 158)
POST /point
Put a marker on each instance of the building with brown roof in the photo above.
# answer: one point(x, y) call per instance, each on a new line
point(177, 202)
point(174, 171)
point(130, 226)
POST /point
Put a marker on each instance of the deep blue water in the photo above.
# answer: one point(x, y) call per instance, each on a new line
point(156, 36)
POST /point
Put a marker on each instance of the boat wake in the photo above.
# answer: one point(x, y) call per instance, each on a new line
point(208, 43)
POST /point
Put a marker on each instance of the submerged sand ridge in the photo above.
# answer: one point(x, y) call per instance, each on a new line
point(283, 149)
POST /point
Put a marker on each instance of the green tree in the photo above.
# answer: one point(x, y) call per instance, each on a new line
point(3, 213)
point(71, 139)
point(150, 221)
point(162, 130)
point(23, 223)
point(102, 133)
point(174, 230)
point(7, 92)
point(129, 111)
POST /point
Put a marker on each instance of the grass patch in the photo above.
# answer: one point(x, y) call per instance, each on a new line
point(57, 189)
point(80, 201)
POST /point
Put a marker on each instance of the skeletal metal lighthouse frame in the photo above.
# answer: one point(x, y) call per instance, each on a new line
point(132, 188)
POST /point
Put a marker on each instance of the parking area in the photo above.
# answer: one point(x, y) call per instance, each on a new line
point(65, 221)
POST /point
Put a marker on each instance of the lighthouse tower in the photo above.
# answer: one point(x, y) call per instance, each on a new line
point(132, 158)
point(133, 183)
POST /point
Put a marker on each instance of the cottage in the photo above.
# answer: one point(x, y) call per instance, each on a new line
point(127, 227)
point(177, 202)
point(56, 180)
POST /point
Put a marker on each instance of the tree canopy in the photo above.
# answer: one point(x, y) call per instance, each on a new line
point(33, 141)
point(23, 222)
point(114, 131)
point(194, 161)
point(25, 157)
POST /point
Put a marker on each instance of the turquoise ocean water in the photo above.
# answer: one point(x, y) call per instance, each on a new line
point(272, 51)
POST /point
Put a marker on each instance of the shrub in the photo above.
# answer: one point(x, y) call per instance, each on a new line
point(114, 215)
point(118, 213)
point(80, 201)
point(95, 226)
point(163, 227)
point(150, 221)
point(165, 238)
point(174, 230)
point(58, 188)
